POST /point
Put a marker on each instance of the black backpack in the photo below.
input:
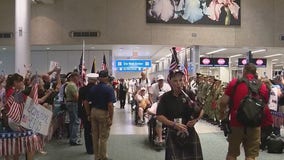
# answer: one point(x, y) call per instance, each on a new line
point(251, 109)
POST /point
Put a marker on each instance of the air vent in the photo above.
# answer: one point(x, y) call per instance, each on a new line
point(78, 34)
point(6, 35)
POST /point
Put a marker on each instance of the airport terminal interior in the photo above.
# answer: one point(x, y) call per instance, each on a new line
point(209, 40)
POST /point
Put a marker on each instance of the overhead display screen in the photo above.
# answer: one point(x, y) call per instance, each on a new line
point(214, 62)
point(259, 62)
point(221, 62)
point(206, 62)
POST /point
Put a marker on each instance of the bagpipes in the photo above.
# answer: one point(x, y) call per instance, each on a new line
point(193, 104)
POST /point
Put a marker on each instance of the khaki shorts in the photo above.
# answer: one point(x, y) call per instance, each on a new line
point(250, 141)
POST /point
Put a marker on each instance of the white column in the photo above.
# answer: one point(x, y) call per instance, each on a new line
point(269, 68)
point(194, 60)
point(22, 35)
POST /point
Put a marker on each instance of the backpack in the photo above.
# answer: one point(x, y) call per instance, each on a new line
point(251, 108)
point(140, 80)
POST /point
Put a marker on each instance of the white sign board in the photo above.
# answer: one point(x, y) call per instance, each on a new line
point(36, 117)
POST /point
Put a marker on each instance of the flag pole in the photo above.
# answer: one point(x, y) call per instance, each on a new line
point(83, 57)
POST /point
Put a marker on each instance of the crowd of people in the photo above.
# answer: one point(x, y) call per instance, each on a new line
point(202, 97)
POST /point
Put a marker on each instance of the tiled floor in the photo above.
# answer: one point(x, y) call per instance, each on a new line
point(129, 142)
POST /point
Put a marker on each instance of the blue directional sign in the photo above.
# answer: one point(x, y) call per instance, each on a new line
point(132, 65)
point(129, 69)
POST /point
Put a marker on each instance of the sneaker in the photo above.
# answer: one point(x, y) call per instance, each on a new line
point(42, 152)
point(75, 143)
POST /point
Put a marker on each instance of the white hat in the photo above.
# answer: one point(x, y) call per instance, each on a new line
point(143, 88)
point(160, 77)
point(92, 76)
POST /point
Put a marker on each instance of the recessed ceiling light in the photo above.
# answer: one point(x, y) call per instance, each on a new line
point(236, 55)
point(260, 50)
point(216, 51)
point(273, 55)
point(47, 48)
point(4, 49)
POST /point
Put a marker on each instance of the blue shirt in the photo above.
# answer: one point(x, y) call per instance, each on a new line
point(100, 95)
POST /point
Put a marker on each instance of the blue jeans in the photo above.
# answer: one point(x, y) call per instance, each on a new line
point(74, 125)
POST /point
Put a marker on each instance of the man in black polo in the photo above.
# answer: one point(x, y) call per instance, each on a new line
point(100, 113)
point(83, 91)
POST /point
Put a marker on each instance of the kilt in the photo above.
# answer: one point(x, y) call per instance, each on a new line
point(191, 151)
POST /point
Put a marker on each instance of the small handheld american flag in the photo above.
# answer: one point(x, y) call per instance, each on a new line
point(35, 89)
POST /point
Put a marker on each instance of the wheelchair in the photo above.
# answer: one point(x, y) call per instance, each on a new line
point(136, 116)
point(152, 133)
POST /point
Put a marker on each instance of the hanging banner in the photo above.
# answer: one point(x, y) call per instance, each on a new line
point(36, 117)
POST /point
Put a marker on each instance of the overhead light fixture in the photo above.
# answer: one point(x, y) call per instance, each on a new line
point(4, 49)
point(236, 55)
point(201, 55)
point(47, 48)
point(216, 51)
point(169, 55)
point(260, 50)
point(273, 55)
point(273, 60)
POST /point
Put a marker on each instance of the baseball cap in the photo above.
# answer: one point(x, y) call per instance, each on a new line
point(103, 73)
point(160, 77)
point(92, 76)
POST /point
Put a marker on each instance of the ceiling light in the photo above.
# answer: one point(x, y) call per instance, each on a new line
point(169, 55)
point(273, 55)
point(260, 50)
point(274, 60)
point(47, 48)
point(201, 55)
point(237, 55)
point(4, 49)
point(216, 51)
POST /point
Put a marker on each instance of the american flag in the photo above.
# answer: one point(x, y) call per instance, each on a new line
point(186, 68)
point(174, 62)
point(34, 90)
point(82, 68)
point(16, 104)
point(104, 65)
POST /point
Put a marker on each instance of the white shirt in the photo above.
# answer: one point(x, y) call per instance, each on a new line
point(143, 83)
point(153, 108)
point(132, 86)
point(273, 98)
point(154, 90)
